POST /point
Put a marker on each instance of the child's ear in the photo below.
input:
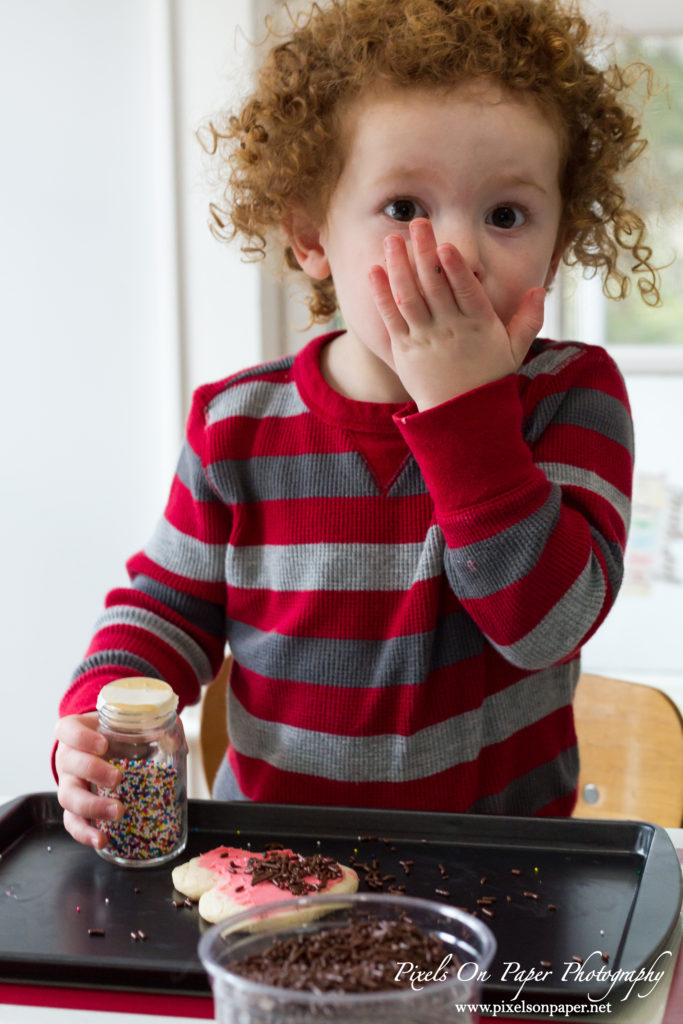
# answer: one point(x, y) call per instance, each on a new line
point(305, 240)
point(554, 262)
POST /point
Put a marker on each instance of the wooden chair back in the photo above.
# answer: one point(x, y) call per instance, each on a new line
point(631, 750)
point(213, 723)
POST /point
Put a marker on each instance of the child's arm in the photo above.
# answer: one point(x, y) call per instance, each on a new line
point(531, 475)
point(169, 624)
point(531, 482)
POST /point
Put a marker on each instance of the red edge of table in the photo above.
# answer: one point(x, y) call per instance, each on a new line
point(201, 1008)
point(55, 996)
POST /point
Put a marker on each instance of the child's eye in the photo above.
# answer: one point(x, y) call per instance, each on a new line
point(404, 210)
point(506, 217)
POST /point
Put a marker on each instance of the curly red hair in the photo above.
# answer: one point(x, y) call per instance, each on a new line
point(285, 146)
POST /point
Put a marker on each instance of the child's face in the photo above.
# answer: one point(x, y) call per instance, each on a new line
point(482, 165)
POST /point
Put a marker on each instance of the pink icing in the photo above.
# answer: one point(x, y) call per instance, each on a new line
point(230, 880)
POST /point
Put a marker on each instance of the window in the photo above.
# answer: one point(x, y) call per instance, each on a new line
point(646, 338)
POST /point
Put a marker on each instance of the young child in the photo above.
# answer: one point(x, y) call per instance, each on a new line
point(406, 532)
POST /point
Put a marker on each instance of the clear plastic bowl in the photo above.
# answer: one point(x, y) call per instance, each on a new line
point(239, 1000)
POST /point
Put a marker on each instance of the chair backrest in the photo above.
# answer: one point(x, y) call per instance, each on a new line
point(213, 723)
point(631, 750)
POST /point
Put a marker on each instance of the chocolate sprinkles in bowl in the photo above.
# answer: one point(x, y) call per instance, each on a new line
point(366, 959)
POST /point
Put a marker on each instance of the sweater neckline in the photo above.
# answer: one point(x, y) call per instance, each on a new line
point(331, 406)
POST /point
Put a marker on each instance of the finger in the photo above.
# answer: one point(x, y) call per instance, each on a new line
point(467, 289)
point(79, 799)
point(433, 281)
point(87, 767)
point(526, 323)
point(384, 302)
point(82, 808)
point(80, 732)
point(83, 832)
point(403, 283)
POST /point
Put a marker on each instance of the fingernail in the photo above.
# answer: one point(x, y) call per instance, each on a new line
point(113, 810)
point(100, 745)
point(392, 243)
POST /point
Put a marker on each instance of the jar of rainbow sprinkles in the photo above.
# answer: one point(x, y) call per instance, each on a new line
point(146, 743)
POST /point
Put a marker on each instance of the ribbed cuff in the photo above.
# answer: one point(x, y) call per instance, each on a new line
point(470, 449)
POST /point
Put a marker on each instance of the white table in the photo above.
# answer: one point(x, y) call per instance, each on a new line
point(645, 1011)
point(49, 1015)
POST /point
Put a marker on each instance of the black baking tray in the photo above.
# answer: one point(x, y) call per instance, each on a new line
point(602, 887)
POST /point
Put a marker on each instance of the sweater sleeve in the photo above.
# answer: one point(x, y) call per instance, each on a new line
point(170, 622)
point(531, 479)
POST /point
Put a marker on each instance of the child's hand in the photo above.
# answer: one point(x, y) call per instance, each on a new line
point(79, 763)
point(446, 337)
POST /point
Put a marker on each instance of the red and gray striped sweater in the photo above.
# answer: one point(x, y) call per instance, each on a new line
point(405, 594)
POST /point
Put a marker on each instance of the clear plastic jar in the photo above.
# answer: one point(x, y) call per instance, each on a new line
point(450, 993)
point(146, 743)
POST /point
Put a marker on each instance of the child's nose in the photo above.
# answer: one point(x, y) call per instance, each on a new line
point(465, 238)
point(467, 243)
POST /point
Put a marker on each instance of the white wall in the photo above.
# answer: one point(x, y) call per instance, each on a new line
point(97, 306)
point(220, 308)
point(641, 638)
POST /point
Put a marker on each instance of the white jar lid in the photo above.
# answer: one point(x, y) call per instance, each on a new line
point(138, 694)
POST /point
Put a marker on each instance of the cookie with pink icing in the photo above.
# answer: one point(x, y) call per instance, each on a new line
point(228, 880)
